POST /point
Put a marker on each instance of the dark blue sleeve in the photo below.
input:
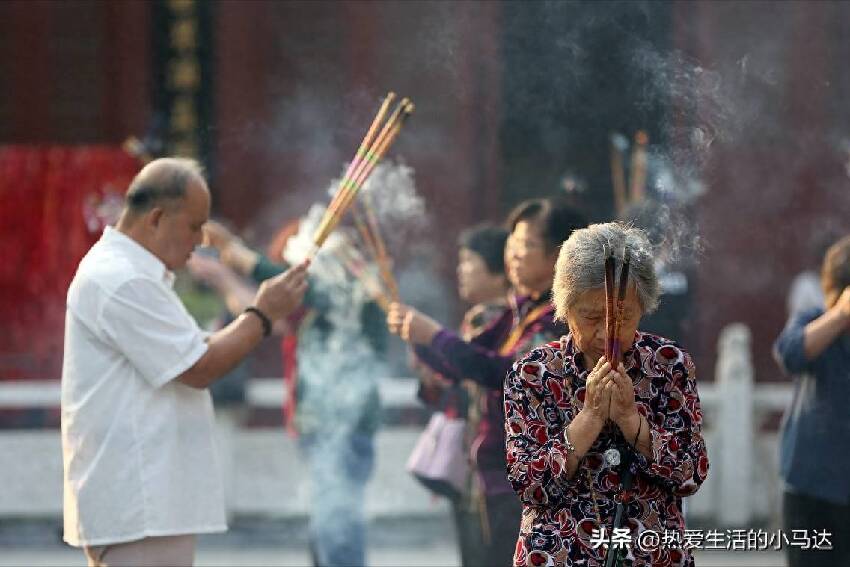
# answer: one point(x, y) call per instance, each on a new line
point(789, 350)
point(265, 269)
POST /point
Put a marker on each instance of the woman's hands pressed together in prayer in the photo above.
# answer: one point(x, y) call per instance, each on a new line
point(610, 394)
point(618, 386)
point(597, 399)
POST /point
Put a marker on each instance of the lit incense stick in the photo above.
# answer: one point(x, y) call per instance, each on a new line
point(609, 306)
point(373, 156)
point(382, 257)
point(362, 150)
point(621, 297)
point(348, 190)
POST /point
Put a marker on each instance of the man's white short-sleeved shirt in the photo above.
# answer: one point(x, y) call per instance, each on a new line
point(138, 449)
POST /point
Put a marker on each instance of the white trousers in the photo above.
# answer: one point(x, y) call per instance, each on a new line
point(165, 551)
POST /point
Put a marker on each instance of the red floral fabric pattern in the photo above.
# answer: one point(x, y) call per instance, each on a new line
point(559, 514)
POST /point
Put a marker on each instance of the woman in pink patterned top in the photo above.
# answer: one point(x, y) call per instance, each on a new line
point(570, 417)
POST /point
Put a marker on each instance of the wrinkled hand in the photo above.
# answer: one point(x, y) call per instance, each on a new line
point(281, 295)
point(597, 397)
point(618, 385)
point(206, 269)
point(411, 325)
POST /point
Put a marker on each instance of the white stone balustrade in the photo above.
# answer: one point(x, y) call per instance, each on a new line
point(265, 476)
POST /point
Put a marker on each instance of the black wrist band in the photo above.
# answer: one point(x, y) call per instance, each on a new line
point(267, 323)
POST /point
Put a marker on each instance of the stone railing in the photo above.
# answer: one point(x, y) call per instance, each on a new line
point(265, 476)
point(743, 486)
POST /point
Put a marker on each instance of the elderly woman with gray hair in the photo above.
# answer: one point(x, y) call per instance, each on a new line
point(570, 418)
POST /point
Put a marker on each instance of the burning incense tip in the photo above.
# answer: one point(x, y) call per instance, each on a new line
point(641, 138)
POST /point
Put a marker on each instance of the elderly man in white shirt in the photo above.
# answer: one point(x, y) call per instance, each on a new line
point(141, 474)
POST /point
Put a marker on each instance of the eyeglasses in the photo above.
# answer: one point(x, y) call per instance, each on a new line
point(526, 244)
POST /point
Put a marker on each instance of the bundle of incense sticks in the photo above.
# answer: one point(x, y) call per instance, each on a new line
point(371, 233)
point(614, 311)
point(373, 147)
point(351, 259)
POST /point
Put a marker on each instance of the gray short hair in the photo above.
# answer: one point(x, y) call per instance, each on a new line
point(162, 182)
point(581, 264)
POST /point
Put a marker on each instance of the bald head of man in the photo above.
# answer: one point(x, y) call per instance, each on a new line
point(165, 209)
